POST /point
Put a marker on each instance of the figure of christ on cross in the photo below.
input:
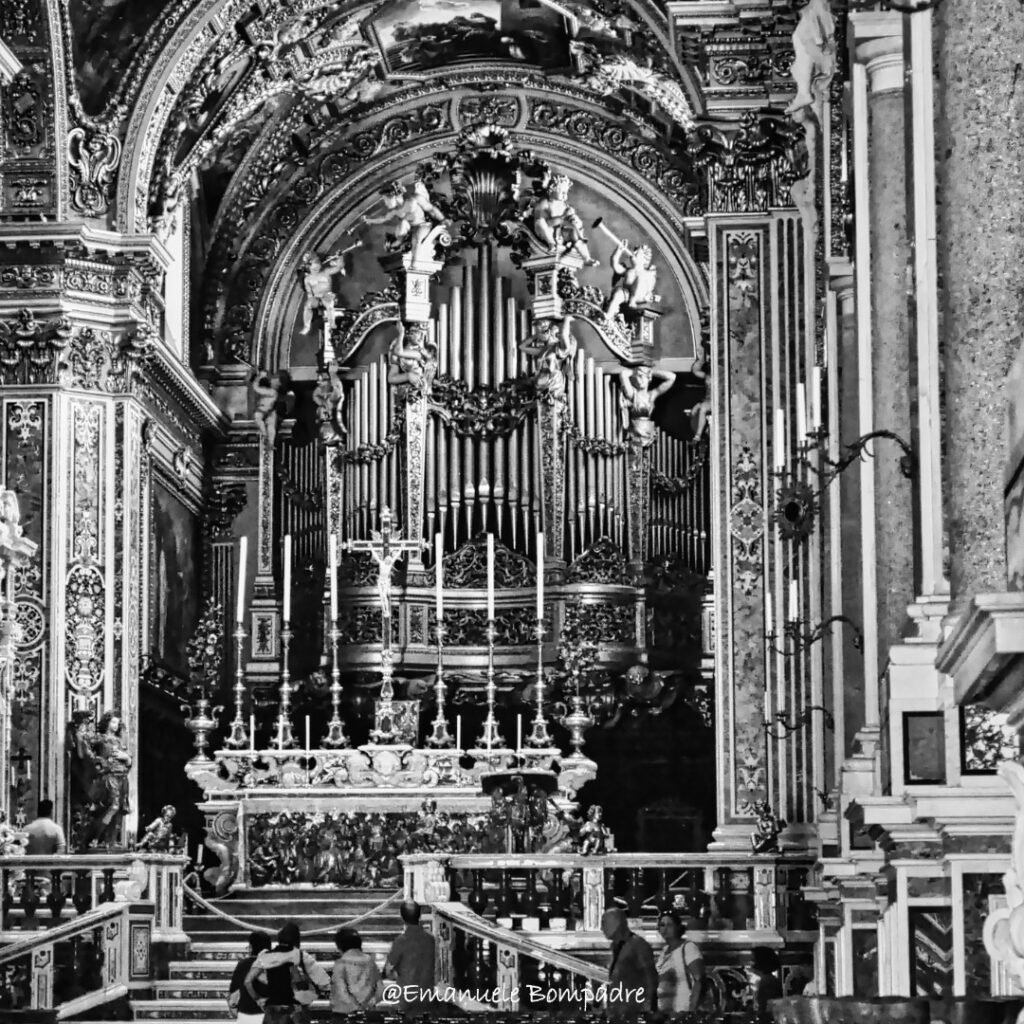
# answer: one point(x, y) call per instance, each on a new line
point(386, 550)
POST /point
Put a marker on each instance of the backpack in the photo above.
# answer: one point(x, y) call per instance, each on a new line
point(303, 989)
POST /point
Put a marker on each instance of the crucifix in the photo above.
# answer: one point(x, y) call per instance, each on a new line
point(386, 549)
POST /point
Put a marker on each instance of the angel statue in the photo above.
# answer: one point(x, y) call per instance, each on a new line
point(100, 765)
point(556, 223)
point(814, 55)
point(595, 836)
point(554, 348)
point(701, 412)
point(159, 835)
point(639, 393)
point(634, 278)
point(317, 277)
point(421, 226)
point(269, 392)
point(765, 837)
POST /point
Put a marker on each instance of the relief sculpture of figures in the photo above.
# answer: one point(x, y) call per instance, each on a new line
point(634, 277)
point(317, 284)
point(814, 60)
point(554, 348)
point(639, 393)
point(421, 226)
point(556, 223)
point(100, 763)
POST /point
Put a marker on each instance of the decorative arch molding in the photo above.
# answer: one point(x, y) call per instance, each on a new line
point(189, 38)
point(661, 222)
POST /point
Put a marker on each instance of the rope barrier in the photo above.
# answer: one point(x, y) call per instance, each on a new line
point(249, 926)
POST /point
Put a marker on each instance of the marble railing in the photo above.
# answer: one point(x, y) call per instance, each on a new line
point(45, 891)
point(78, 965)
point(714, 892)
point(484, 967)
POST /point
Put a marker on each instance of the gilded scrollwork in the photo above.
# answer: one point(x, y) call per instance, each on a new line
point(466, 567)
point(603, 563)
point(485, 412)
point(29, 349)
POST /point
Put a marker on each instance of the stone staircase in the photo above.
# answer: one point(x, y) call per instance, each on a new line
point(196, 991)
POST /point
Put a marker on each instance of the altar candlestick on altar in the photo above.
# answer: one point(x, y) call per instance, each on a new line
point(490, 577)
point(540, 576)
point(243, 551)
point(439, 575)
point(287, 578)
point(332, 563)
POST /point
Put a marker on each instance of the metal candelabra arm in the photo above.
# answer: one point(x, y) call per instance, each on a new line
point(796, 638)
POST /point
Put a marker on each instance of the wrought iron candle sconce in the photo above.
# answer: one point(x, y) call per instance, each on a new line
point(797, 638)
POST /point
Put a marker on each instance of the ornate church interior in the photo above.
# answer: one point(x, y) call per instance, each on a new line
point(553, 466)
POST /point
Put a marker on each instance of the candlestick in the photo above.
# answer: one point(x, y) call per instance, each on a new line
point(236, 737)
point(539, 735)
point(519, 733)
point(490, 577)
point(491, 736)
point(287, 612)
point(780, 439)
point(285, 736)
point(540, 575)
point(801, 413)
point(335, 727)
point(199, 853)
point(769, 618)
point(332, 561)
point(794, 601)
point(815, 397)
point(252, 732)
point(243, 552)
point(308, 747)
point(458, 732)
point(439, 575)
point(440, 737)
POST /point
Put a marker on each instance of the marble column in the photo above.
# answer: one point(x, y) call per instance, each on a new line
point(979, 149)
point(889, 259)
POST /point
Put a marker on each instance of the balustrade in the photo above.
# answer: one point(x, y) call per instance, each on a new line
point(713, 892)
point(41, 892)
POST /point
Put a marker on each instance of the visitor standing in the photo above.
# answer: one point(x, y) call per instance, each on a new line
point(45, 836)
point(632, 977)
point(764, 981)
point(410, 962)
point(292, 979)
point(355, 980)
point(680, 967)
point(239, 999)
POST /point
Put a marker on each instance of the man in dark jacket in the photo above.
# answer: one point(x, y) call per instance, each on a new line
point(411, 962)
point(632, 977)
point(273, 970)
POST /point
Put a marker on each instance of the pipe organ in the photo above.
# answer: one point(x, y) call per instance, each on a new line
point(482, 468)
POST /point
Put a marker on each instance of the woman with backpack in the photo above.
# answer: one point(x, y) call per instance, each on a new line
point(680, 967)
point(291, 979)
point(246, 1008)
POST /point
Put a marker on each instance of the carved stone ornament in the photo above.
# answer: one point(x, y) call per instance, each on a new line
point(1003, 933)
point(467, 566)
point(93, 156)
point(603, 563)
point(30, 350)
point(94, 359)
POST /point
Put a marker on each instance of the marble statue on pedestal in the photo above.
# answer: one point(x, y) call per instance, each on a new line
point(420, 226)
point(317, 284)
point(555, 223)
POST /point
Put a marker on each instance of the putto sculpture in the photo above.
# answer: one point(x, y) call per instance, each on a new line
point(634, 277)
point(159, 835)
point(329, 398)
point(553, 348)
point(420, 228)
point(317, 284)
point(555, 223)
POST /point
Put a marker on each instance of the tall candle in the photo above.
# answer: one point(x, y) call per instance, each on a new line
point(332, 568)
point(308, 747)
point(519, 732)
point(490, 576)
point(458, 732)
point(815, 397)
point(288, 577)
point(199, 853)
point(540, 576)
point(794, 602)
point(252, 732)
point(780, 439)
point(243, 552)
point(769, 616)
point(801, 412)
point(280, 735)
point(439, 575)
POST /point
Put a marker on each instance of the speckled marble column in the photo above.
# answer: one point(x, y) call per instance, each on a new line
point(979, 147)
point(890, 336)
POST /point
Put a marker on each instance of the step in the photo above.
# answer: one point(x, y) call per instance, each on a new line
point(221, 959)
